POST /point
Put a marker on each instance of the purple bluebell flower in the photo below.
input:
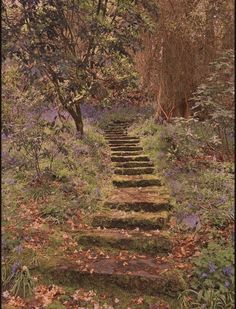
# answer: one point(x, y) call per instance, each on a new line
point(191, 220)
point(10, 181)
point(168, 173)
point(221, 201)
point(176, 187)
point(98, 192)
point(18, 249)
point(204, 275)
point(227, 271)
point(15, 267)
point(212, 267)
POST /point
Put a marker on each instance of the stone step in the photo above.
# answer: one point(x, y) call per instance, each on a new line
point(134, 171)
point(125, 181)
point(126, 148)
point(113, 126)
point(136, 158)
point(142, 274)
point(150, 199)
point(115, 131)
point(128, 220)
point(122, 121)
point(114, 136)
point(123, 142)
point(150, 243)
point(124, 138)
point(129, 122)
point(134, 164)
point(126, 153)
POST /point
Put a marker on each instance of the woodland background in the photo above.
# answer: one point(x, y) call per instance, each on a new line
point(70, 67)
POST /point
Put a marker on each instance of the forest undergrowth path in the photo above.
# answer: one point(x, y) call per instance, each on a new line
point(131, 231)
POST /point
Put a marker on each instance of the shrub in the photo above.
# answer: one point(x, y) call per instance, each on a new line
point(214, 101)
point(206, 298)
point(16, 275)
point(215, 267)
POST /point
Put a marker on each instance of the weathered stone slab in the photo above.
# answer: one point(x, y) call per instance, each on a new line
point(115, 131)
point(125, 181)
point(126, 153)
point(140, 275)
point(114, 136)
point(126, 148)
point(134, 171)
point(128, 220)
point(116, 158)
point(134, 164)
point(151, 199)
point(150, 243)
point(124, 142)
point(125, 137)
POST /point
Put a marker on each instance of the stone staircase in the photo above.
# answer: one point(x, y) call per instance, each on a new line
point(132, 223)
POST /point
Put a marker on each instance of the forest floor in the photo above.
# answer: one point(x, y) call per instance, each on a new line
point(89, 236)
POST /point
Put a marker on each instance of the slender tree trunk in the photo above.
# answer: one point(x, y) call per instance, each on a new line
point(79, 122)
point(77, 117)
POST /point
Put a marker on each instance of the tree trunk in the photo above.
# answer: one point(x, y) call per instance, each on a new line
point(77, 117)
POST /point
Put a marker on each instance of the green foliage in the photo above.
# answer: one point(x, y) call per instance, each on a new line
point(206, 298)
point(219, 86)
point(182, 138)
point(214, 99)
point(75, 51)
point(39, 192)
point(38, 142)
point(16, 275)
point(23, 283)
point(215, 268)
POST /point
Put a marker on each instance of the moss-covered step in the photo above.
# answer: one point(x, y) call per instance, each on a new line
point(126, 153)
point(115, 131)
point(114, 136)
point(125, 181)
point(149, 243)
point(124, 142)
point(150, 199)
point(141, 276)
point(124, 138)
point(129, 122)
point(134, 164)
point(127, 148)
point(115, 127)
point(112, 131)
point(116, 158)
point(134, 171)
point(129, 220)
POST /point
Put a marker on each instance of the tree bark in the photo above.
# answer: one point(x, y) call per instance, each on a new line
point(77, 117)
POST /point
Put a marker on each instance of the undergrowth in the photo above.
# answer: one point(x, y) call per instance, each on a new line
point(59, 197)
